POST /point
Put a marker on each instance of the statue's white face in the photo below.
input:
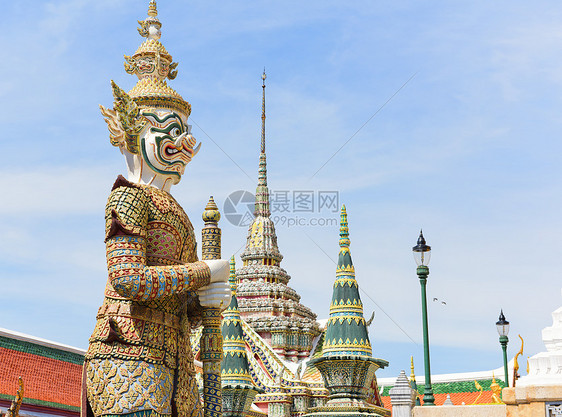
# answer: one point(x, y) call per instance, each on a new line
point(166, 145)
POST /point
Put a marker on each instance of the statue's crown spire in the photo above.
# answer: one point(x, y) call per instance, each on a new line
point(152, 12)
point(150, 27)
point(153, 64)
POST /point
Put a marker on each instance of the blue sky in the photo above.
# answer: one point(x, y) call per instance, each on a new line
point(468, 149)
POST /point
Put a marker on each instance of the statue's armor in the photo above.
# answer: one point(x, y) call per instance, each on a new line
point(139, 357)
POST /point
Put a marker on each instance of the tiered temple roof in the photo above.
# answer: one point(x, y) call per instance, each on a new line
point(265, 301)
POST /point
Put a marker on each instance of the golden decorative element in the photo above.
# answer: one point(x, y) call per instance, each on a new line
point(152, 8)
point(152, 93)
point(496, 391)
point(14, 409)
point(152, 47)
point(345, 270)
point(124, 120)
point(479, 388)
point(516, 364)
point(211, 213)
point(256, 239)
point(130, 380)
point(528, 365)
point(412, 375)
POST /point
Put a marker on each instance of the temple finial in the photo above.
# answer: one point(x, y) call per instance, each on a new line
point(344, 229)
point(263, 77)
point(232, 276)
point(412, 374)
point(152, 12)
point(150, 27)
point(262, 174)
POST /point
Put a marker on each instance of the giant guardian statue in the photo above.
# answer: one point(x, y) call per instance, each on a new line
point(139, 361)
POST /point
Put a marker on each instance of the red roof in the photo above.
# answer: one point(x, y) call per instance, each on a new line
point(53, 382)
point(456, 397)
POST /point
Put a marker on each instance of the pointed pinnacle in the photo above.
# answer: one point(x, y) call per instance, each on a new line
point(211, 213)
point(152, 12)
point(344, 229)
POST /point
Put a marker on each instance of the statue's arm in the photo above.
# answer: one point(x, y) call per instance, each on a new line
point(129, 275)
point(132, 278)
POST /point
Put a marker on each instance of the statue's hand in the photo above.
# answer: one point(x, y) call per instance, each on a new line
point(220, 269)
point(216, 294)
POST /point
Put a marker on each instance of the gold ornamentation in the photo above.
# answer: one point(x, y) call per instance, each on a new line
point(124, 121)
point(14, 409)
point(479, 388)
point(121, 386)
point(516, 364)
point(496, 391)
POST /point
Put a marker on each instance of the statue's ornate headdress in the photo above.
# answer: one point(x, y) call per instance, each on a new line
point(152, 64)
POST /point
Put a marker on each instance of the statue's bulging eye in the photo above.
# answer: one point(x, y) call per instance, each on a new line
point(175, 132)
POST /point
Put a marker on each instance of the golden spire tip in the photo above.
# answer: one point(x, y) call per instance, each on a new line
point(152, 11)
point(211, 212)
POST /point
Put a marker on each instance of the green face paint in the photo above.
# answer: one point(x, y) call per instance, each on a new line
point(164, 146)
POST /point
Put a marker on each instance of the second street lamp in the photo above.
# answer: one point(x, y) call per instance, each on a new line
point(422, 254)
point(503, 330)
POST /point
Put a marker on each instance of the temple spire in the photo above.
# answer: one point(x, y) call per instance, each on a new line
point(262, 192)
point(413, 383)
point(263, 293)
point(263, 77)
point(346, 330)
point(262, 177)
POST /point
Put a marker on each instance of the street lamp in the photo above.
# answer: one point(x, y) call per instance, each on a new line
point(503, 329)
point(422, 253)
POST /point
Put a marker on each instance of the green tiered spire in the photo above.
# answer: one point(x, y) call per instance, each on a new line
point(346, 332)
point(234, 366)
point(238, 390)
point(346, 365)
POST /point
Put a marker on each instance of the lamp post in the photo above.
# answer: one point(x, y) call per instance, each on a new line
point(422, 253)
point(503, 329)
